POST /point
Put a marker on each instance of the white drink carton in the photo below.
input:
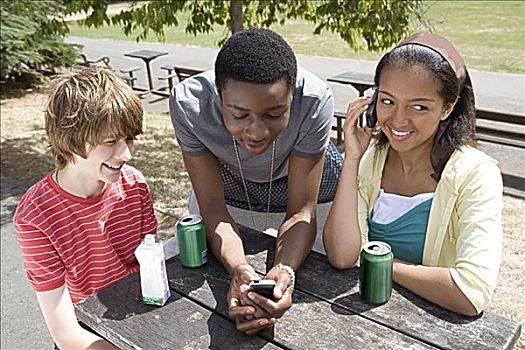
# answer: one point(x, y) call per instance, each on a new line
point(153, 277)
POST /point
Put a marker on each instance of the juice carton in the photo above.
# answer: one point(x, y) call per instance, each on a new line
point(153, 278)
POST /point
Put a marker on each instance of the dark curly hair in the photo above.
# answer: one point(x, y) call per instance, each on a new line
point(257, 56)
point(461, 129)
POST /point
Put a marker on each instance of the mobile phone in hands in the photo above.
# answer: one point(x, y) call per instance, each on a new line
point(263, 288)
point(370, 114)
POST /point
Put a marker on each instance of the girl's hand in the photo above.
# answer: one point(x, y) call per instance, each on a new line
point(356, 138)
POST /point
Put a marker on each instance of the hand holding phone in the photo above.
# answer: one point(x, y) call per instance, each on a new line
point(370, 114)
point(263, 287)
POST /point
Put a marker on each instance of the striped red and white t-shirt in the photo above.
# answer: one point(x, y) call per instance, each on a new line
point(84, 244)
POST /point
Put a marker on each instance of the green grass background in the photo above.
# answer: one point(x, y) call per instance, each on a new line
point(489, 34)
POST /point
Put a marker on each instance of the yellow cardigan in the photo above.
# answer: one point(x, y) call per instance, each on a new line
point(464, 229)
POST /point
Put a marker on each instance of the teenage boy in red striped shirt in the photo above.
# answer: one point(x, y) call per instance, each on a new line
point(79, 226)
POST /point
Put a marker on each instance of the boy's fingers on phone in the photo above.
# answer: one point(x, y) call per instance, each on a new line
point(279, 290)
point(254, 332)
point(241, 311)
point(247, 276)
point(254, 326)
point(233, 302)
point(257, 298)
point(243, 288)
point(258, 307)
point(265, 306)
point(246, 301)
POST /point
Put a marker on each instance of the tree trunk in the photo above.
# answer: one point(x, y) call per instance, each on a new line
point(236, 16)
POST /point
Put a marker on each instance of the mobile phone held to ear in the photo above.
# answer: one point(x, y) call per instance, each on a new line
point(370, 114)
point(263, 287)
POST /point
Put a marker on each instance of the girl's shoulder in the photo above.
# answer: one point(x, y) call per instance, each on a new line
point(471, 163)
point(467, 157)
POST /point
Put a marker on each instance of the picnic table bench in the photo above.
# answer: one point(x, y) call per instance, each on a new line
point(172, 72)
point(494, 132)
point(85, 62)
point(327, 313)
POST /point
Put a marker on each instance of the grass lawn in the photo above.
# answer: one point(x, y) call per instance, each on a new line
point(489, 34)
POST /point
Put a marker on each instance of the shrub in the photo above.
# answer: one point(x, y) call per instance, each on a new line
point(33, 38)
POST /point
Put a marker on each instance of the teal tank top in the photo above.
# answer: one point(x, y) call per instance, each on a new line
point(406, 234)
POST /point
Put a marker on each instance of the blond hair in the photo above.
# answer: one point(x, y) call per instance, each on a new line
point(87, 106)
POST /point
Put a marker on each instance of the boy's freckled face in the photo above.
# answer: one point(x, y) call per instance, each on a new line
point(104, 162)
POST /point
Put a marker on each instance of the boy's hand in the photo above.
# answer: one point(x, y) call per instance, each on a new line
point(240, 307)
point(282, 296)
point(267, 311)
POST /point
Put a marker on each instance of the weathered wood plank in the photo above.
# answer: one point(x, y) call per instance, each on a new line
point(327, 313)
point(118, 314)
point(404, 312)
point(311, 323)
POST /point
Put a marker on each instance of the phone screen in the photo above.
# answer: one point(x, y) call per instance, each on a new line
point(371, 115)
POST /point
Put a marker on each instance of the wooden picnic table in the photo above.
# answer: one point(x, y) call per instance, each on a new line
point(147, 56)
point(360, 81)
point(327, 313)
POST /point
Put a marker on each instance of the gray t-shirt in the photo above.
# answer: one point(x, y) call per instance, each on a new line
point(196, 114)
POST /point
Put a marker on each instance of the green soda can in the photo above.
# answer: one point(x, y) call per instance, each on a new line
point(375, 272)
point(191, 236)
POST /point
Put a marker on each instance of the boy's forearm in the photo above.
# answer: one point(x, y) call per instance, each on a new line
point(59, 314)
point(298, 231)
point(225, 241)
point(295, 239)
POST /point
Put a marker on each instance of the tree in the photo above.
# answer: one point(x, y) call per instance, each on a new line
point(31, 37)
point(379, 23)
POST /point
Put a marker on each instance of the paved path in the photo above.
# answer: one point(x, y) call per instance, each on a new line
point(496, 91)
point(23, 326)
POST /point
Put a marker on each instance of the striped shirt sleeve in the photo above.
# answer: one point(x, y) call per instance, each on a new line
point(44, 268)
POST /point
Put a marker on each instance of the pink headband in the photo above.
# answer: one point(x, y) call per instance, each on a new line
point(443, 47)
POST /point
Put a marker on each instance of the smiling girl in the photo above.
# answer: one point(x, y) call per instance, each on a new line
point(421, 185)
